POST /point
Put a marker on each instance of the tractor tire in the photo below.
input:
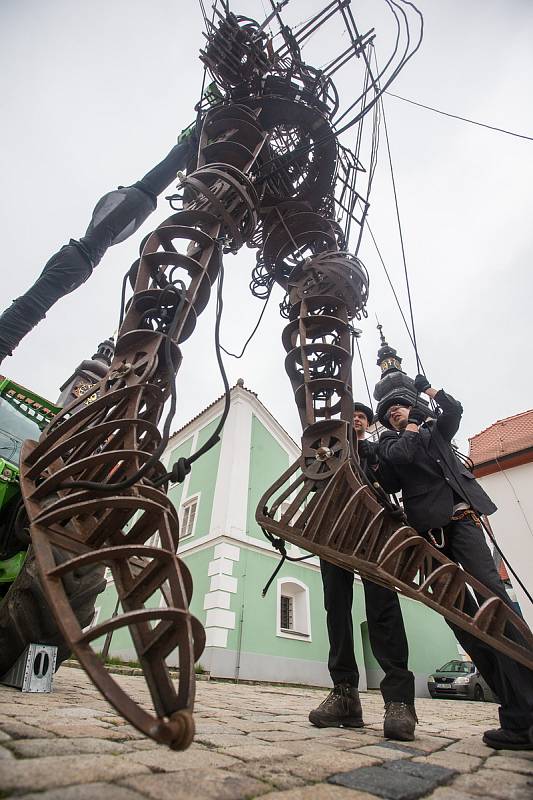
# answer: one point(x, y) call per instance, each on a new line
point(25, 615)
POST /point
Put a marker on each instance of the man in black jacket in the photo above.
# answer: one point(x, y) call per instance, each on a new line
point(443, 501)
point(385, 628)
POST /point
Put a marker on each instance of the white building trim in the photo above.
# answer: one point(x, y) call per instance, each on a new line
point(219, 618)
point(239, 393)
point(230, 508)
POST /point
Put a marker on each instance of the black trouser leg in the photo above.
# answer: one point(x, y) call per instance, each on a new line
point(338, 597)
point(512, 682)
point(386, 632)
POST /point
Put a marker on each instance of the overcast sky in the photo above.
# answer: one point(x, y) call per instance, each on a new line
point(93, 94)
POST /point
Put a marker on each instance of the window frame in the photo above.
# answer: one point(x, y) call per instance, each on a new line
point(194, 499)
point(298, 591)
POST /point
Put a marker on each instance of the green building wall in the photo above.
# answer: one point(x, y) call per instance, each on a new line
point(254, 649)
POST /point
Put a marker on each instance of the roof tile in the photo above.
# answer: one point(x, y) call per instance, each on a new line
point(505, 437)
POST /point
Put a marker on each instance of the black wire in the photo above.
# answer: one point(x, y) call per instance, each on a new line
point(364, 371)
point(123, 298)
point(279, 545)
point(463, 119)
point(392, 288)
point(402, 245)
point(507, 562)
point(215, 436)
point(249, 339)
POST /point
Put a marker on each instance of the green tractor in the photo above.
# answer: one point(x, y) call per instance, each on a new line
point(24, 613)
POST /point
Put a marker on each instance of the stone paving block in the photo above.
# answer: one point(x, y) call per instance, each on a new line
point(381, 752)
point(317, 767)
point(209, 784)
point(473, 746)
point(87, 791)
point(78, 712)
point(113, 719)
point(5, 753)
point(404, 747)
point(285, 736)
point(225, 740)
point(275, 774)
point(301, 748)
point(255, 752)
point(54, 771)
point(143, 744)
point(19, 730)
point(430, 744)
point(527, 754)
point(431, 772)
point(449, 793)
point(75, 730)
point(164, 760)
point(496, 783)
point(460, 762)
point(386, 783)
point(11, 709)
point(522, 765)
point(320, 791)
point(4, 737)
point(34, 748)
point(217, 727)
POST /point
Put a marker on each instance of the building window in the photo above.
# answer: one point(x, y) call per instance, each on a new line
point(286, 619)
point(293, 616)
point(189, 512)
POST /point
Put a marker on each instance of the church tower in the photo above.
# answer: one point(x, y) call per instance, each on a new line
point(86, 374)
point(393, 380)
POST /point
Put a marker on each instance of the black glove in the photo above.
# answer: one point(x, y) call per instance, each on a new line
point(363, 448)
point(417, 416)
point(421, 383)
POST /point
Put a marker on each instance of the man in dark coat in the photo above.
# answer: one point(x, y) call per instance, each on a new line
point(385, 628)
point(443, 501)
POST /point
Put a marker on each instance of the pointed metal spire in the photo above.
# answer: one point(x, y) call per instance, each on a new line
point(394, 381)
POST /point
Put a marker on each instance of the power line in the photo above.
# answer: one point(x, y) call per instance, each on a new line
point(463, 119)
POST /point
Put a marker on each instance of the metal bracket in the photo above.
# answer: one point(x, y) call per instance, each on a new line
point(34, 669)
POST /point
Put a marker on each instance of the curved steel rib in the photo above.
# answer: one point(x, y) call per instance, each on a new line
point(78, 517)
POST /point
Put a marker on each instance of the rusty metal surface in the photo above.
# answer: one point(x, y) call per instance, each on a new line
point(134, 529)
point(267, 169)
point(344, 523)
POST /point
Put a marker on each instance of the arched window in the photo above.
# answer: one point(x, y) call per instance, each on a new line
point(293, 614)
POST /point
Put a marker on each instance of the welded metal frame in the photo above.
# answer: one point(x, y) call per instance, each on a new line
point(94, 487)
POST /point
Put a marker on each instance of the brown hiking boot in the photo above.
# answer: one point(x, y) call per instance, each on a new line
point(341, 707)
point(399, 723)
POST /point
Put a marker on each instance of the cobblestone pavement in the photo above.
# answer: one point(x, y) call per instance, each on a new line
point(252, 741)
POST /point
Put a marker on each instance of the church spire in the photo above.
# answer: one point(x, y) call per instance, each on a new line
point(388, 358)
point(394, 382)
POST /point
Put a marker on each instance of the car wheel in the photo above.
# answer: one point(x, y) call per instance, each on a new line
point(479, 694)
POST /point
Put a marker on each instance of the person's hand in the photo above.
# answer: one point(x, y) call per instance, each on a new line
point(421, 383)
point(363, 448)
point(416, 416)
